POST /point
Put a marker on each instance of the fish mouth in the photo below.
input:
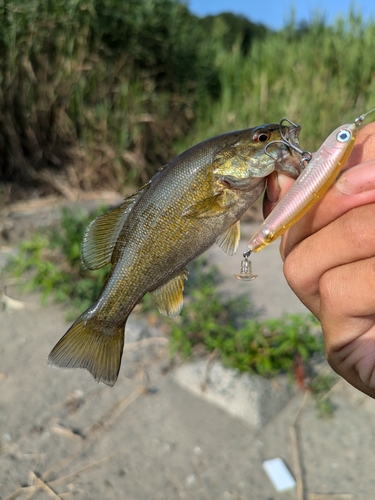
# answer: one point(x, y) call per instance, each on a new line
point(289, 160)
point(292, 134)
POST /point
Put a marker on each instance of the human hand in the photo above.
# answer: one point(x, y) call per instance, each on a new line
point(329, 262)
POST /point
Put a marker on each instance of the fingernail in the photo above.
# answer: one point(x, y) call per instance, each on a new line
point(358, 179)
point(273, 188)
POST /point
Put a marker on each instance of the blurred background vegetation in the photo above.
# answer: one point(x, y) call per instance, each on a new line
point(98, 94)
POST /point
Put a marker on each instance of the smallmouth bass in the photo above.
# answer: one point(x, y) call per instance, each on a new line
point(194, 201)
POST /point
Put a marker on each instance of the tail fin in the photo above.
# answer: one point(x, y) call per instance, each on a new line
point(83, 346)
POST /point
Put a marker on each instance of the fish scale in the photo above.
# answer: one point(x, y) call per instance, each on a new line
point(195, 200)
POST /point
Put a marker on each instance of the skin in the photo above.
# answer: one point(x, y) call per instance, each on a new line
point(329, 262)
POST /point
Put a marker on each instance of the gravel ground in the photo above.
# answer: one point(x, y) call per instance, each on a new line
point(64, 436)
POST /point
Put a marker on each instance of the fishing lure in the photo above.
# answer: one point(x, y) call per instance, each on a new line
point(309, 187)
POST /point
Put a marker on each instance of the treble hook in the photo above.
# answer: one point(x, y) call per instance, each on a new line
point(306, 155)
point(278, 141)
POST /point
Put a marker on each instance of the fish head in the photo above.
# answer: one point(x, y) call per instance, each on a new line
point(253, 154)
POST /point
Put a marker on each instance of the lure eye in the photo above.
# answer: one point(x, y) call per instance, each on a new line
point(261, 136)
point(344, 136)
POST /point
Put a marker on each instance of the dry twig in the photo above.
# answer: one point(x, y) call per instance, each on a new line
point(105, 422)
point(83, 469)
point(110, 416)
point(40, 484)
point(296, 451)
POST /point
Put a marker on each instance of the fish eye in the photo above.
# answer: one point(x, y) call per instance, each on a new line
point(261, 136)
point(344, 136)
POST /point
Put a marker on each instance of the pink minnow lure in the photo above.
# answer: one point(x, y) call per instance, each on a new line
point(308, 188)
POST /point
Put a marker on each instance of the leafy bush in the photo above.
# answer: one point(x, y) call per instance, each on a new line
point(99, 93)
point(265, 347)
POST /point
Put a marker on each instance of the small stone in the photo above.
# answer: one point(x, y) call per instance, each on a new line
point(7, 438)
point(190, 480)
point(197, 451)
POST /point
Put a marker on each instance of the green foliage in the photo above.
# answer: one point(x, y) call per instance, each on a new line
point(160, 38)
point(325, 407)
point(228, 327)
point(31, 257)
point(318, 75)
point(320, 387)
point(264, 347)
point(229, 30)
point(102, 85)
point(51, 263)
point(99, 93)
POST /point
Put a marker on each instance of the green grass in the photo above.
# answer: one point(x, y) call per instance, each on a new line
point(320, 387)
point(320, 77)
point(267, 347)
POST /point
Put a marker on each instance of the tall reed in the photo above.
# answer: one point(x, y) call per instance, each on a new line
point(93, 92)
point(100, 93)
point(319, 76)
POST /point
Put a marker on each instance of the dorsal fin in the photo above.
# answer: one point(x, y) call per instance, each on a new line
point(101, 235)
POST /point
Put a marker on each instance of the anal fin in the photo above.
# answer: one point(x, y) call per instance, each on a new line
point(169, 297)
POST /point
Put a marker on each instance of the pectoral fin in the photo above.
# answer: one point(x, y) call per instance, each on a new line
point(169, 297)
point(101, 235)
point(229, 240)
point(209, 207)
